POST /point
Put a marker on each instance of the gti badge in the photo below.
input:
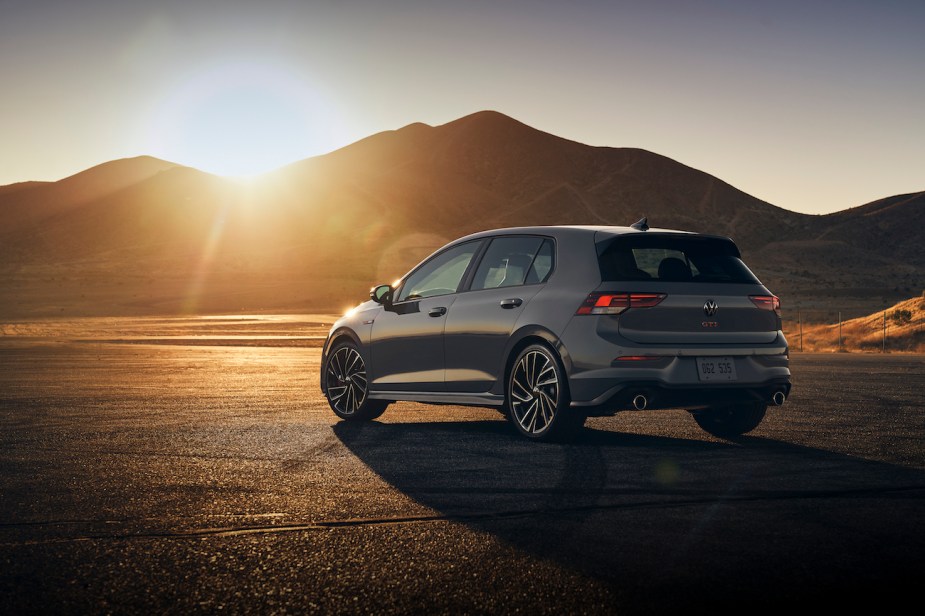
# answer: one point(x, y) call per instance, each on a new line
point(709, 308)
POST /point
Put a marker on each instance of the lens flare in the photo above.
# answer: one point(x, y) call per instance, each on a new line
point(243, 119)
point(201, 271)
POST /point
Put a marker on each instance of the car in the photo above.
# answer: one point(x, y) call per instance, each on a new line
point(554, 324)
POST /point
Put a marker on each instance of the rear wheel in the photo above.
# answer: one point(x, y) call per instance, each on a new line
point(538, 398)
point(347, 387)
point(732, 420)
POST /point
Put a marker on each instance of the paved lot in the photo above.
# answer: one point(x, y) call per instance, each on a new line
point(161, 478)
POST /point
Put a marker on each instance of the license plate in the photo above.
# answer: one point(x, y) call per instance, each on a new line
point(716, 368)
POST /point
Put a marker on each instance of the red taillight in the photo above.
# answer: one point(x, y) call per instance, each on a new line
point(618, 303)
point(598, 303)
point(646, 300)
point(766, 302)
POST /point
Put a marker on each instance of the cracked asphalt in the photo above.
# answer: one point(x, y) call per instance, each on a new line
point(169, 478)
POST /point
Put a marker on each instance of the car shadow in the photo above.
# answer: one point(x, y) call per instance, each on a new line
point(668, 522)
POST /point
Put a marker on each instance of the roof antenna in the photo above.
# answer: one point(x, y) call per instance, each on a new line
point(641, 225)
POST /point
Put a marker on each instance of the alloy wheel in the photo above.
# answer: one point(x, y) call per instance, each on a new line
point(534, 392)
point(346, 380)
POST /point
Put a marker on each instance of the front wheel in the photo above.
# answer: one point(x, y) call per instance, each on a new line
point(730, 421)
point(538, 398)
point(347, 387)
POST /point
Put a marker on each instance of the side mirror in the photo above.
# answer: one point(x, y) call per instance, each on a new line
point(381, 294)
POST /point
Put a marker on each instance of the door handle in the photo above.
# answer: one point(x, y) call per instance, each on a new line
point(439, 311)
point(514, 302)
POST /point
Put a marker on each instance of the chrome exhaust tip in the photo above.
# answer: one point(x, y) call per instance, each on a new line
point(640, 402)
point(778, 398)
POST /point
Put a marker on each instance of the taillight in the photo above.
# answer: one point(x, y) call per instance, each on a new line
point(618, 303)
point(766, 302)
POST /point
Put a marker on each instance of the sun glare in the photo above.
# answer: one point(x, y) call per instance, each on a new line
point(243, 119)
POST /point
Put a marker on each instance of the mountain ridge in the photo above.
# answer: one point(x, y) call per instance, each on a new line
point(141, 229)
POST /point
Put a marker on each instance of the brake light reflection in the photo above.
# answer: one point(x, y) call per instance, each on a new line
point(766, 302)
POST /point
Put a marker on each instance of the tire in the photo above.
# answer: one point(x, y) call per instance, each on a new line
point(346, 386)
point(731, 421)
point(537, 397)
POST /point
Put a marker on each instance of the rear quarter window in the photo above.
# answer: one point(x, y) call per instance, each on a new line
point(513, 261)
point(672, 259)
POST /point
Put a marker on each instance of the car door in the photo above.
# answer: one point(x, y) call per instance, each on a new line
point(406, 340)
point(482, 319)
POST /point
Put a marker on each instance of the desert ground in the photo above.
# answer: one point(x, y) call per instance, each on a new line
point(183, 465)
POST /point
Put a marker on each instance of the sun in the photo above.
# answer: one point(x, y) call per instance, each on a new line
point(243, 119)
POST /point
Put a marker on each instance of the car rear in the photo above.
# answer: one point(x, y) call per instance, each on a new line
point(677, 320)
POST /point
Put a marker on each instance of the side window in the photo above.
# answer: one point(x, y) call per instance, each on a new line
point(506, 262)
point(542, 264)
point(441, 275)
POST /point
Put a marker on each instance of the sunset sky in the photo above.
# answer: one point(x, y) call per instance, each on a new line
point(812, 106)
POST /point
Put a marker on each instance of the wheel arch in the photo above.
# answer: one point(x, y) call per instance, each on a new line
point(521, 339)
point(336, 337)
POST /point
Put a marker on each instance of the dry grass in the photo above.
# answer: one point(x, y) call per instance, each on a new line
point(866, 334)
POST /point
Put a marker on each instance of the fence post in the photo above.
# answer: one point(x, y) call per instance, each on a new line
point(883, 347)
point(839, 330)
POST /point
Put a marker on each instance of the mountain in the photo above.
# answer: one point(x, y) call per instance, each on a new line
point(148, 236)
point(11, 188)
point(26, 205)
point(489, 165)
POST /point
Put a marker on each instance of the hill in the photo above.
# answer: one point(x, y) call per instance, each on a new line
point(898, 328)
point(148, 236)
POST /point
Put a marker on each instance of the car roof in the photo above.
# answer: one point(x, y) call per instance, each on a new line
point(555, 230)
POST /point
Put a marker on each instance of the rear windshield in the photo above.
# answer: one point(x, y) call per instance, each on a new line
point(672, 259)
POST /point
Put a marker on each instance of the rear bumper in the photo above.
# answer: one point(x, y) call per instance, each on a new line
point(672, 382)
point(663, 396)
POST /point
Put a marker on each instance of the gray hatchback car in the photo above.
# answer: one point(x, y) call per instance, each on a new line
point(551, 325)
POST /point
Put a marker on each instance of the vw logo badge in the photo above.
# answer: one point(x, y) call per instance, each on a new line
point(710, 307)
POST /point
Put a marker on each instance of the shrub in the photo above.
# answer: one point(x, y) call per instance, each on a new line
point(901, 316)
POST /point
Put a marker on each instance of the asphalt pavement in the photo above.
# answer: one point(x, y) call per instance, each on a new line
point(167, 478)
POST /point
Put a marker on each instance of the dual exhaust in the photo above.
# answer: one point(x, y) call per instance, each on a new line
point(640, 401)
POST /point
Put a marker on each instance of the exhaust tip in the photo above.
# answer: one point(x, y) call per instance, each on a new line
point(778, 398)
point(640, 402)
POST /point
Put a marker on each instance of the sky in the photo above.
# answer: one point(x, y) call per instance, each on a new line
point(814, 106)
